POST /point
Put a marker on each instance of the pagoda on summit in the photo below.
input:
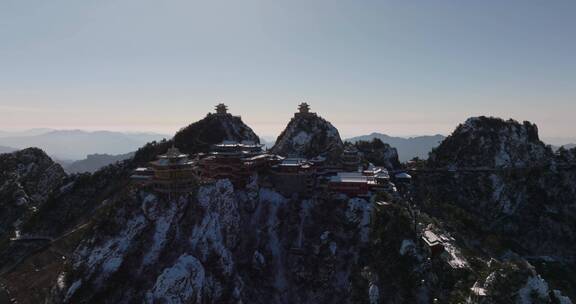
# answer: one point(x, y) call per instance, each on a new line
point(304, 111)
point(221, 109)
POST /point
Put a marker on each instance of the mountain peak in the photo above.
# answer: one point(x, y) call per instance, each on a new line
point(505, 143)
point(308, 135)
point(213, 129)
point(28, 177)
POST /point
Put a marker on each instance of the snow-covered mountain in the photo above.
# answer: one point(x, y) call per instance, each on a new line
point(509, 181)
point(308, 135)
point(112, 242)
point(220, 246)
point(503, 144)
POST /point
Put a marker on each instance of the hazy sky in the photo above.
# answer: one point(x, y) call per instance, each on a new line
point(399, 67)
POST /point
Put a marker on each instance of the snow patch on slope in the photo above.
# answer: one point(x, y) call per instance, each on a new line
point(106, 259)
point(359, 211)
point(180, 283)
point(303, 138)
point(535, 285)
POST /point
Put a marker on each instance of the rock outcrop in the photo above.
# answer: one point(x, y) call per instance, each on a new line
point(308, 135)
point(378, 153)
point(27, 180)
point(491, 143)
point(84, 193)
point(509, 182)
point(220, 245)
point(213, 129)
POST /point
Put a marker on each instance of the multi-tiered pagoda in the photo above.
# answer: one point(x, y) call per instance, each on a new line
point(173, 172)
point(304, 111)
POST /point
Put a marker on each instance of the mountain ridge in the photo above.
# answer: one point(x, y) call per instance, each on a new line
point(77, 144)
point(408, 147)
point(227, 244)
point(93, 162)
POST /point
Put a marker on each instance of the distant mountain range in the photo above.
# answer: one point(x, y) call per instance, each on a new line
point(567, 147)
point(93, 162)
point(408, 147)
point(4, 149)
point(77, 144)
point(29, 132)
point(267, 141)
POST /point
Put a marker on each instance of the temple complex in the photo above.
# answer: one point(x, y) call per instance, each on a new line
point(238, 161)
point(375, 179)
point(235, 161)
point(349, 183)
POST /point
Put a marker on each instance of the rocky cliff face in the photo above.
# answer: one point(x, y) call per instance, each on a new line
point(521, 190)
point(220, 246)
point(308, 136)
point(27, 179)
point(491, 143)
point(379, 153)
point(81, 194)
point(69, 203)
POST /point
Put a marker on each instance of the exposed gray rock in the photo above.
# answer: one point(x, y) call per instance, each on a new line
point(27, 179)
point(509, 180)
point(379, 153)
point(188, 249)
point(491, 143)
point(308, 136)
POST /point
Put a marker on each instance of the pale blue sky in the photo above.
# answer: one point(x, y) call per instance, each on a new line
point(399, 67)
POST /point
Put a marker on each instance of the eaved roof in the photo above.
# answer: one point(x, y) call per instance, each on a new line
point(382, 175)
point(431, 238)
point(293, 162)
point(244, 143)
point(165, 161)
point(403, 175)
point(265, 155)
point(349, 177)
